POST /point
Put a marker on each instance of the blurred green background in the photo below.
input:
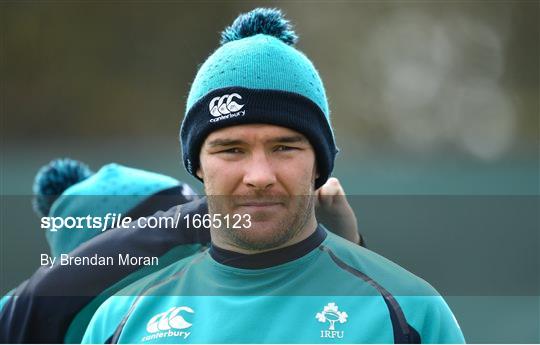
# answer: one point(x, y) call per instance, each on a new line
point(430, 102)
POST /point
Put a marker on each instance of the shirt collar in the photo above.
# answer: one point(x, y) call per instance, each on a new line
point(270, 258)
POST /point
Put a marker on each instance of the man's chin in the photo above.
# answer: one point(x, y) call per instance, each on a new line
point(263, 235)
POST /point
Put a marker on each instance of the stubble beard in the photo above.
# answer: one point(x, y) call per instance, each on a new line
point(264, 235)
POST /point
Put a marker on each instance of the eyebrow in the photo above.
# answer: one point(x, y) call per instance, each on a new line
point(225, 142)
point(288, 139)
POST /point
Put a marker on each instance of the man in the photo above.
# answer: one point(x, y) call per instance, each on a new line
point(68, 296)
point(257, 133)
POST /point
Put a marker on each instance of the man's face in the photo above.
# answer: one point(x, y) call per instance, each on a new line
point(262, 170)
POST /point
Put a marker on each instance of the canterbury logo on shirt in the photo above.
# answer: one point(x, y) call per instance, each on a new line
point(169, 319)
point(224, 105)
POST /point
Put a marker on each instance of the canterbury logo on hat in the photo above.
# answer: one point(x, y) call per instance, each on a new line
point(225, 105)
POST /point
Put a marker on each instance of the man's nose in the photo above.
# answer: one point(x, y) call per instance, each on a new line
point(259, 172)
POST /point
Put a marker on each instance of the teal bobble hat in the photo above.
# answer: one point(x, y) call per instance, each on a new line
point(68, 188)
point(257, 76)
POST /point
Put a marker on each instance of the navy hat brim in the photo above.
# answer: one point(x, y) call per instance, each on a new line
point(275, 107)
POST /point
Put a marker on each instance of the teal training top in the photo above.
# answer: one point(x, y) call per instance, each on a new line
point(321, 290)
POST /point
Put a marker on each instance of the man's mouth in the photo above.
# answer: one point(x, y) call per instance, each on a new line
point(259, 204)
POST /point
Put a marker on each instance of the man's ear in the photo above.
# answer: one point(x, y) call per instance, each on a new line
point(199, 174)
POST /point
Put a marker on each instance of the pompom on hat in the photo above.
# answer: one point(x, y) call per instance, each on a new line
point(53, 179)
point(257, 76)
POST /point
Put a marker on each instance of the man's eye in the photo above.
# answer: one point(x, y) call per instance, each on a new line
point(284, 148)
point(231, 150)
